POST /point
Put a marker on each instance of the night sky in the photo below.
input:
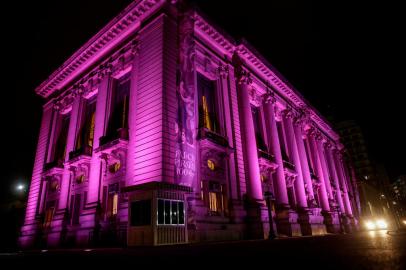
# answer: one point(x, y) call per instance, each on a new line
point(345, 58)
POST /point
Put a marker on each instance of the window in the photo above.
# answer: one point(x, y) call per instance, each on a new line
point(75, 208)
point(256, 117)
point(309, 161)
point(215, 197)
point(207, 104)
point(84, 140)
point(291, 197)
point(49, 213)
point(141, 213)
point(170, 212)
point(282, 141)
point(119, 106)
point(59, 151)
point(112, 200)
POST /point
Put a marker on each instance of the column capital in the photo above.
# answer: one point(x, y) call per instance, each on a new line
point(135, 46)
point(288, 113)
point(244, 77)
point(269, 98)
point(330, 145)
point(105, 70)
point(222, 71)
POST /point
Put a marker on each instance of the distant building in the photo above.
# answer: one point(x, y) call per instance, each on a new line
point(353, 139)
point(399, 188)
point(373, 181)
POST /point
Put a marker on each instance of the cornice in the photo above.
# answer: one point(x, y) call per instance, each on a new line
point(125, 24)
point(226, 46)
point(208, 32)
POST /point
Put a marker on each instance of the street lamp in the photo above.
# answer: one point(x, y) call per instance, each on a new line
point(20, 187)
point(269, 197)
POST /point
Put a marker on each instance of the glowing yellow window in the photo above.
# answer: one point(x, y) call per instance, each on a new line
point(213, 201)
point(115, 204)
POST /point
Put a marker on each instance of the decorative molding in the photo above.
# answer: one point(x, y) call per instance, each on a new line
point(125, 24)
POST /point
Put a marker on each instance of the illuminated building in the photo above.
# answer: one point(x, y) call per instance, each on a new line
point(161, 130)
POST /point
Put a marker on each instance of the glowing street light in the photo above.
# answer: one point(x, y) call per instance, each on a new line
point(20, 188)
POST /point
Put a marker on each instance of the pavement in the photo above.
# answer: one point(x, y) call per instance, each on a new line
point(364, 250)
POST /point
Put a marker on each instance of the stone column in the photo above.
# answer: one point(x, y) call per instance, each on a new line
point(257, 213)
point(281, 194)
point(102, 107)
point(343, 181)
point(333, 170)
point(301, 200)
point(70, 145)
point(303, 160)
point(320, 148)
point(223, 72)
point(254, 188)
point(319, 172)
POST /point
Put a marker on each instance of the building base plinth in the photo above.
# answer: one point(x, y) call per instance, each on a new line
point(287, 223)
point(311, 222)
point(257, 221)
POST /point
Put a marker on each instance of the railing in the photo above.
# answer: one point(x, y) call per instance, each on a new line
point(86, 151)
point(58, 163)
point(121, 133)
point(288, 165)
point(265, 155)
point(204, 133)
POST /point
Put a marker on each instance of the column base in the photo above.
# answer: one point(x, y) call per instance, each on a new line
point(334, 223)
point(287, 222)
point(311, 222)
point(348, 223)
point(257, 221)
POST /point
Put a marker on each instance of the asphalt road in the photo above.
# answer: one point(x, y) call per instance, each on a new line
point(367, 250)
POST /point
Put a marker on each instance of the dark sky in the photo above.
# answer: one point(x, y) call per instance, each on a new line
point(346, 58)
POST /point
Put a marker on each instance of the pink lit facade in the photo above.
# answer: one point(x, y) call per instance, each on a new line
point(161, 130)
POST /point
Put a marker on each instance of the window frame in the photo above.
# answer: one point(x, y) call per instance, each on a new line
point(170, 212)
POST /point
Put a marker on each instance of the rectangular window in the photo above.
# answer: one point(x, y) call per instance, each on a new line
point(216, 198)
point(49, 213)
point(256, 117)
point(170, 212)
point(112, 200)
point(291, 197)
point(84, 140)
point(76, 209)
point(208, 117)
point(309, 160)
point(282, 141)
point(59, 151)
point(118, 120)
point(141, 213)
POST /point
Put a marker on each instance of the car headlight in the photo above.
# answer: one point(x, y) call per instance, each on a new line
point(370, 225)
point(381, 224)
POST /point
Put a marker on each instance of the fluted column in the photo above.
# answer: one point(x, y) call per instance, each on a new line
point(322, 157)
point(330, 161)
point(303, 159)
point(99, 130)
point(254, 188)
point(319, 172)
point(294, 155)
point(281, 194)
point(70, 145)
point(338, 163)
